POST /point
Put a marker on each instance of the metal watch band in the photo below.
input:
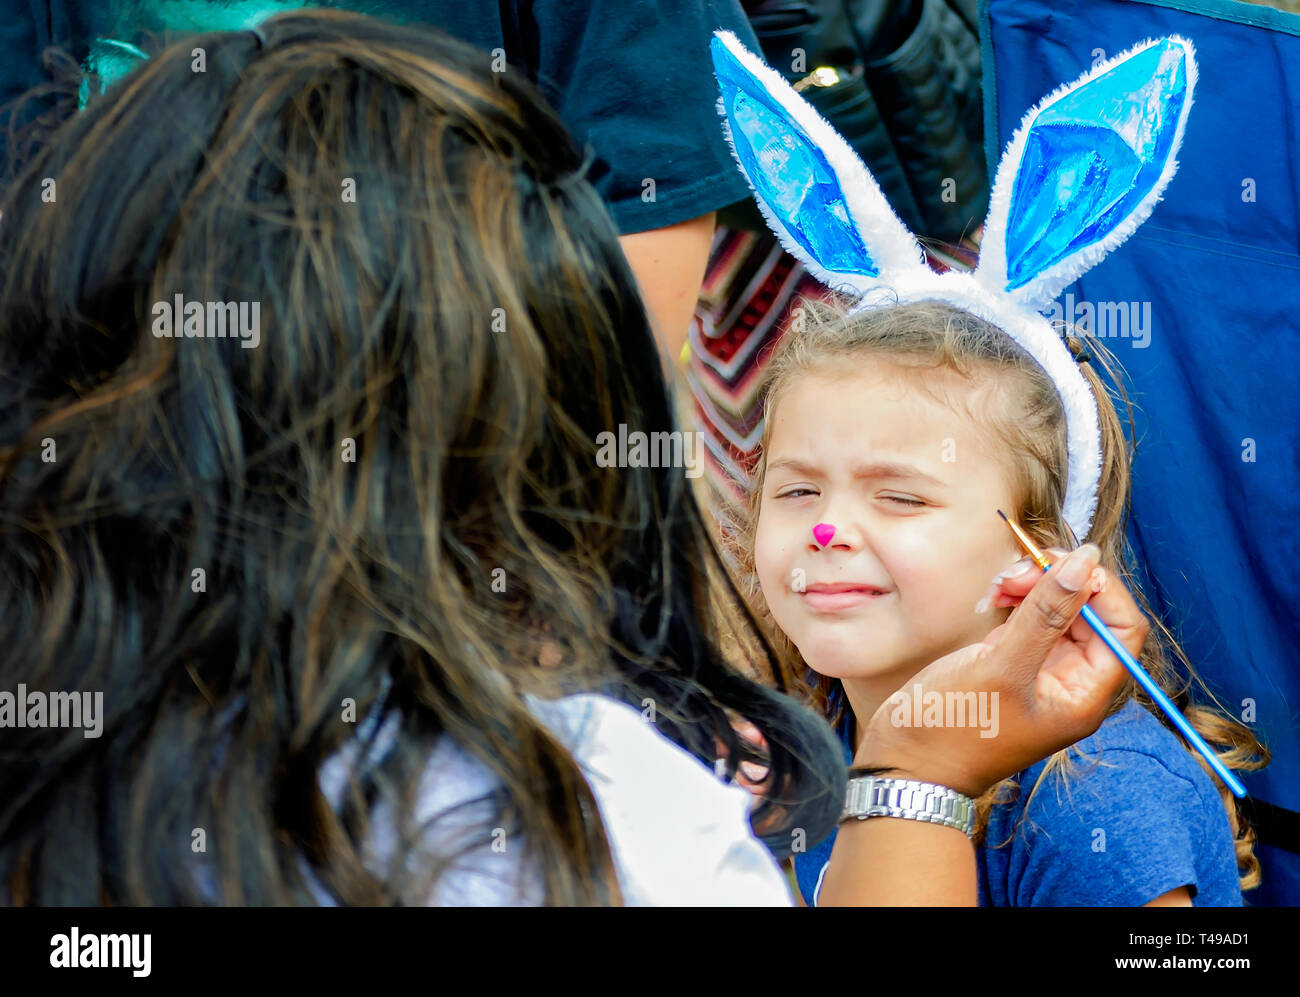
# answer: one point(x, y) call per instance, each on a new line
point(875, 796)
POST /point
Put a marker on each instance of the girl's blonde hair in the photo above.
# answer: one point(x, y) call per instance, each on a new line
point(1027, 420)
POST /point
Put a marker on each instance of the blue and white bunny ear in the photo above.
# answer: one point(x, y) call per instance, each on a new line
point(1085, 169)
point(813, 189)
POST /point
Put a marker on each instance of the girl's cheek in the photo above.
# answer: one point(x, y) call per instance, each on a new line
point(766, 563)
point(922, 575)
point(771, 540)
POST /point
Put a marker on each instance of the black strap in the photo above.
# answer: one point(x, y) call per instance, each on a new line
point(1274, 825)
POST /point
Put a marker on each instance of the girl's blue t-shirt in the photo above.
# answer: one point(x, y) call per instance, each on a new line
point(1136, 818)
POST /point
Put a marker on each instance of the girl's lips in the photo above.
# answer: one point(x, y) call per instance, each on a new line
point(839, 597)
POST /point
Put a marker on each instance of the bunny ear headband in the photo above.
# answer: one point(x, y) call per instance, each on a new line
point(1082, 172)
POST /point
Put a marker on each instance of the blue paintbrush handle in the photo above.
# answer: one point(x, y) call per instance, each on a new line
point(1164, 702)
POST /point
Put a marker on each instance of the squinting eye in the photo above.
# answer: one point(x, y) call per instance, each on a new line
point(796, 491)
point(904, 501)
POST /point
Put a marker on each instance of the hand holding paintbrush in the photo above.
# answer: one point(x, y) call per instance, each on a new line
point(1089, 625)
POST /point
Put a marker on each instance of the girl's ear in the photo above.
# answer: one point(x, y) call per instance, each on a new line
point(814, 191)
point(1085, 169)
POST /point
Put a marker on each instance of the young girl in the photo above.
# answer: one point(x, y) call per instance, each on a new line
point(894, 435)
point(897, 427)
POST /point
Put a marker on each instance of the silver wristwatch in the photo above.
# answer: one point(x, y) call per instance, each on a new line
point(874, 796)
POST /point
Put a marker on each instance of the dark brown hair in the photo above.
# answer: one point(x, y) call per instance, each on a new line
point(465, 325)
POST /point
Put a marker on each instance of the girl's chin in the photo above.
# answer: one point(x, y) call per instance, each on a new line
point(840, 664)
point(850, 672)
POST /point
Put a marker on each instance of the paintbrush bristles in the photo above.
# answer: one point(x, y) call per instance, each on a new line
point(1025, 542)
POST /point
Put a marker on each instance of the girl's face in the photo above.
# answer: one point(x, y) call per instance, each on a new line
point(912, 490)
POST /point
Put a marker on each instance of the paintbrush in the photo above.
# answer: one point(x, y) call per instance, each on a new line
point(1138, 672)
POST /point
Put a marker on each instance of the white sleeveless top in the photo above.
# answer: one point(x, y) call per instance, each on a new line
point(678, 835)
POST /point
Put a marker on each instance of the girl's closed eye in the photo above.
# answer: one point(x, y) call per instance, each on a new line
point(905, 501)
point(796, 493)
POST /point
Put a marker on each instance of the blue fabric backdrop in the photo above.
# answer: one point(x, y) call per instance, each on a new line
point(1211, 288)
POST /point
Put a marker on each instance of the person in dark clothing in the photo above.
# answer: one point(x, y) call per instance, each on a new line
point(631, 79)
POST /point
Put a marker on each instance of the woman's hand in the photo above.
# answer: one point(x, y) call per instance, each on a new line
point(1130, 627)
point(1053, 680)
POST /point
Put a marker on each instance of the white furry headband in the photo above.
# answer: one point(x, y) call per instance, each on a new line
point(1082, 172)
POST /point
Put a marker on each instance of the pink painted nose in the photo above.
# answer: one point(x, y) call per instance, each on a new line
point(822, 533)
